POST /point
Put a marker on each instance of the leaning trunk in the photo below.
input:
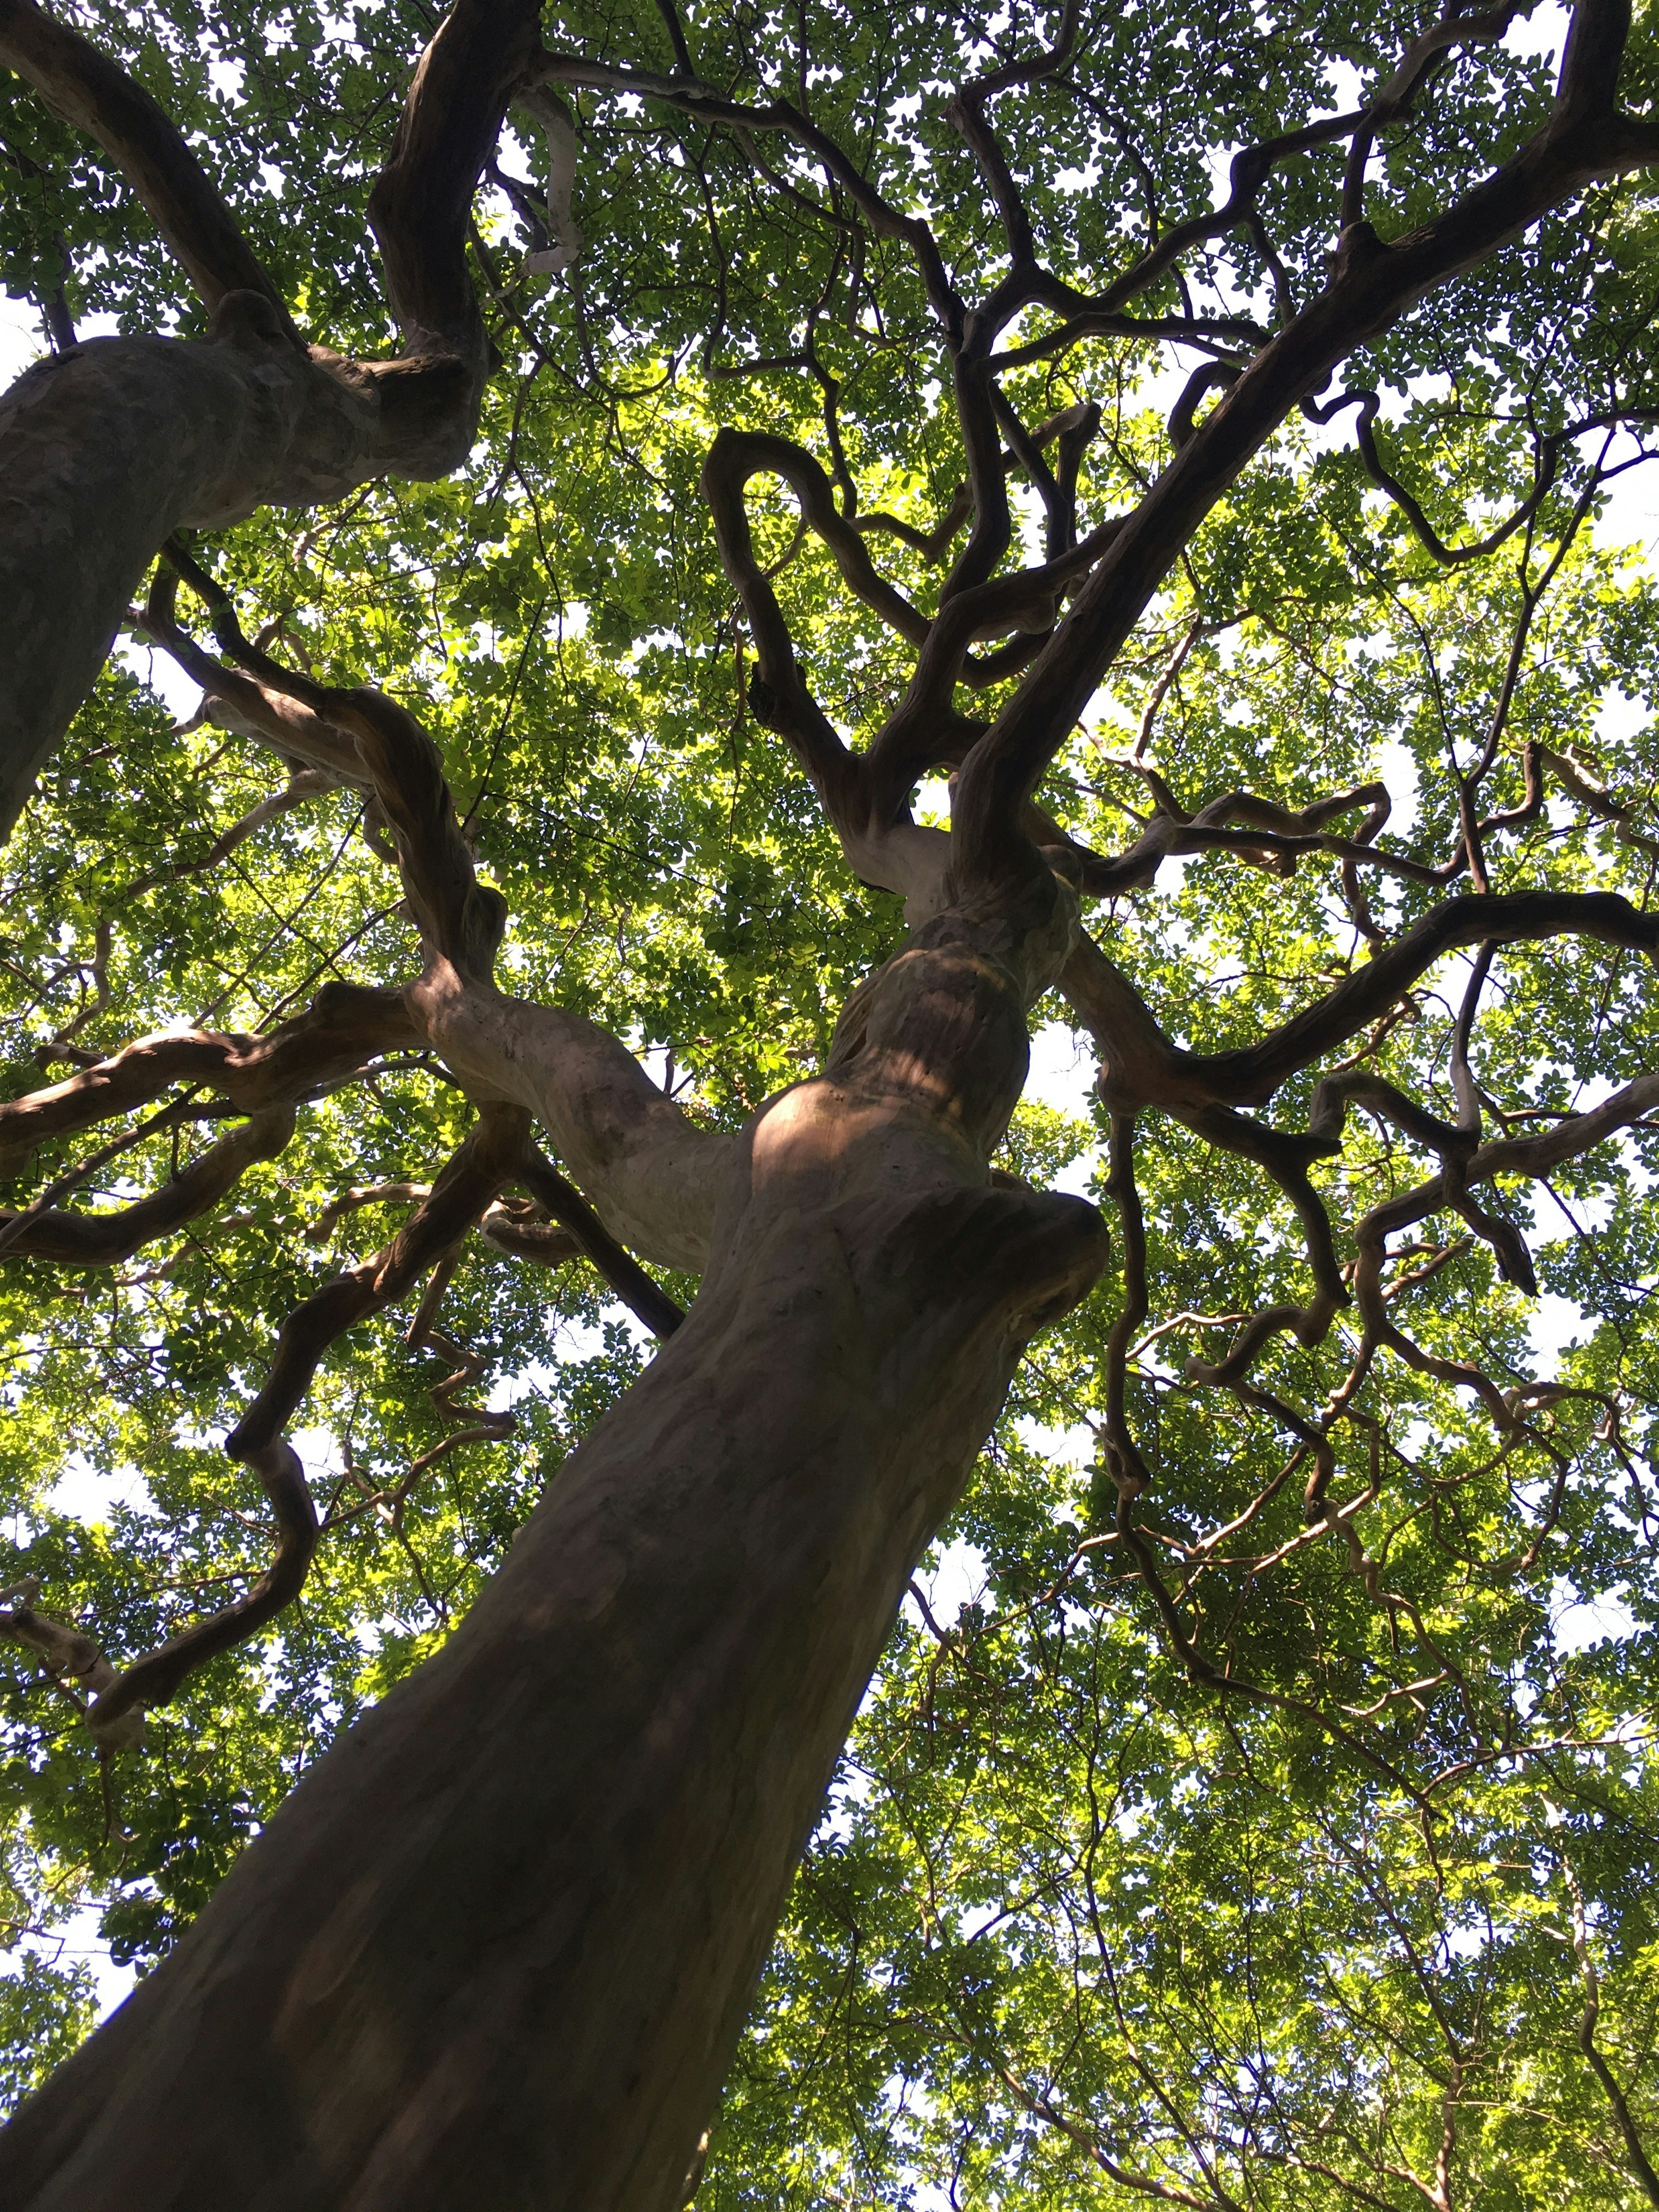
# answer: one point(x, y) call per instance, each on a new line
point(496, 1948)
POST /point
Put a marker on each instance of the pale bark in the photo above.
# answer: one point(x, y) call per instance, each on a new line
point(652, 1175)
point(497, 1947)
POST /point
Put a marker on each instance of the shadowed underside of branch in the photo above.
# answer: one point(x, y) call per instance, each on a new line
point(107, 447)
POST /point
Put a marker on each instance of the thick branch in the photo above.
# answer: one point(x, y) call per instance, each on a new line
point(347, 1025)
point(102, 1240)
point(652, 1176)
point(1142, 1067)
point(106, 450)
point(88, 89)
point(419, 207)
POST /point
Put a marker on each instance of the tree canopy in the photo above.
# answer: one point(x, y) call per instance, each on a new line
point(1262, 1833)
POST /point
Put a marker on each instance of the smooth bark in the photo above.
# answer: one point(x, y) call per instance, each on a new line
point(109, 447)
point(497, 1947)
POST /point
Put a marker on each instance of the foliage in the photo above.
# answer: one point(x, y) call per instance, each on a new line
point(1077, 1924)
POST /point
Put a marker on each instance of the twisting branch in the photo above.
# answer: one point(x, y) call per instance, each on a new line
point(76, 1663)
point(966, 111)
point(1371, 285)
point(520, 1228)
point(1278, 838)
point(267, 711)
point(466, 1186)
point(464, 83)
point(346, 1026)
point(656, 1176)
point(1142, 1067)
point(103, 1240)
point(1285, 1157)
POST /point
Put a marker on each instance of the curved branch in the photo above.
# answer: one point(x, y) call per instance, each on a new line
point(1285, 1156)
point(1143, 1067)
point(737, 456)
point(1371, 285)
point(655, 1177)
point(76, 1661)
point(459, 918)
point(103, 1240)
point(88, 90)
point(350, 1201)
point(467, 1185)
point(517, 1228)
point(1250, 1074)
point(1280, 835)
point(464, 83)
point(346, 1025)
point(966, 110)
point(265, 712)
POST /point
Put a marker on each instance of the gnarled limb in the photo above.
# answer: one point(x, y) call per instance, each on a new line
point(106, 450)
point(1142, 1067)
point(654, 1177)
point(103, 1240)
point(517, 1227)
point(1372, 284)
point(75, 1660)
point(1285, 1158)
point(346, 1026)
point(1279, 837)
point(467, 1185)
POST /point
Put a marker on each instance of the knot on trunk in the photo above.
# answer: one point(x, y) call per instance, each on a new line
point(249, 323)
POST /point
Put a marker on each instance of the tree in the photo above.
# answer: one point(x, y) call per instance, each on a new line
point(1287, 1646)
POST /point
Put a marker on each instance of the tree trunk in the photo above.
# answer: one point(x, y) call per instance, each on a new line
point(496, 1948)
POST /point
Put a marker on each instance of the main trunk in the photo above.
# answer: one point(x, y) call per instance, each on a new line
point(496, 1948)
